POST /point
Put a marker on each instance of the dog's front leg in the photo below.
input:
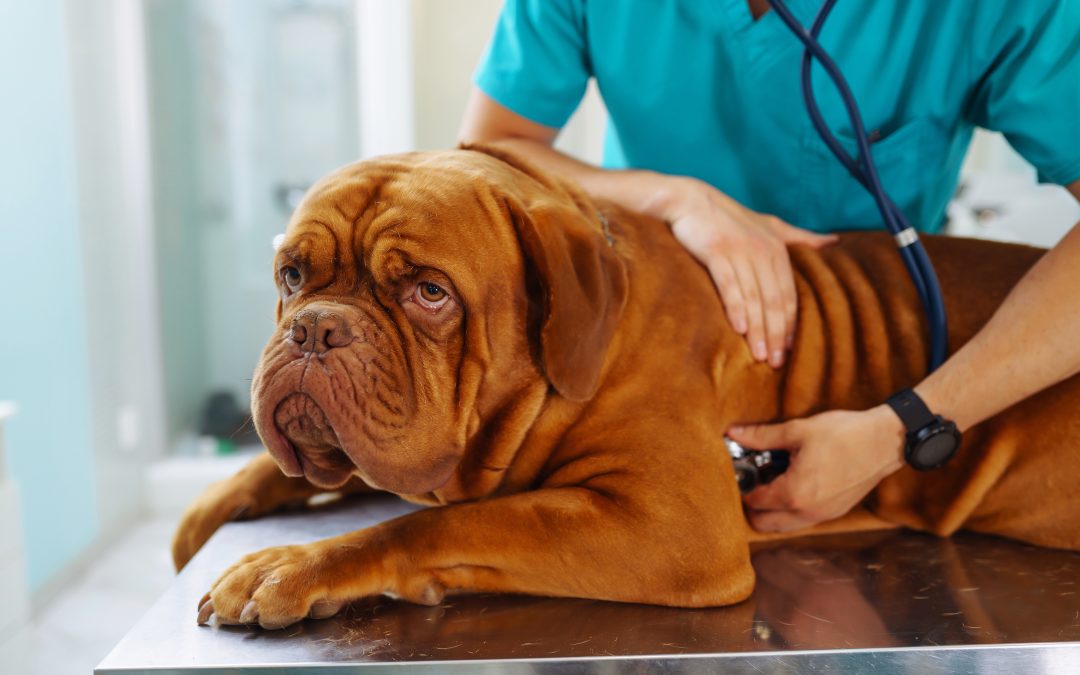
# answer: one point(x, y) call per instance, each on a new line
point(257, 489)
point(568, 541)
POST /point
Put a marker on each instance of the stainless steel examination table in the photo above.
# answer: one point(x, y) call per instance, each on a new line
point(891, 601)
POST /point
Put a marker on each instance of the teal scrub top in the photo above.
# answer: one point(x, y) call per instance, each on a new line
point(699, 88)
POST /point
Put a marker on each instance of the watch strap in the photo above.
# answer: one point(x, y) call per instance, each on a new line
point(911, 410)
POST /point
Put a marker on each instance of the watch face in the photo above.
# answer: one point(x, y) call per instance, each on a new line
point(935, 447)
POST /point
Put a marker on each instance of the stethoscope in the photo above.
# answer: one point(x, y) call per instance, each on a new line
point(755, 467)
point(862, 168)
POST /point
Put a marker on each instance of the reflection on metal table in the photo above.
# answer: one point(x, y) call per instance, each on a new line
point(892, 601)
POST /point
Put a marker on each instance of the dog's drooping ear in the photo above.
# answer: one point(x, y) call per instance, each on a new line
point(582, 280)
point(584, 285)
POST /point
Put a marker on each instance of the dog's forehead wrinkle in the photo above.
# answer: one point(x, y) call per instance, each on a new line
point(306, 235)
point(291, 254)
point(346, 217)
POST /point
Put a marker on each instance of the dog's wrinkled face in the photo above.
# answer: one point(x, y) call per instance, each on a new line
point(403, 307)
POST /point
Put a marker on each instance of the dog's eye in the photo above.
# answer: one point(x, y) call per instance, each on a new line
point(292, 278)
point(432, 292)
point(431, 295)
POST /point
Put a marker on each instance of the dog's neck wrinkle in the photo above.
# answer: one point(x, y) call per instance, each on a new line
point(495, 445)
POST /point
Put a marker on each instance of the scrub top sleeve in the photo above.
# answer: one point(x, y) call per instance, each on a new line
point(537, 61)
point(1029, 85)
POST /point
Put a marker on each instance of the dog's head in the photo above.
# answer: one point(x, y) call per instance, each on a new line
point(415, 291)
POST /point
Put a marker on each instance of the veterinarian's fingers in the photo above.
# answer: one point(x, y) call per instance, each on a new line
point(786, 275)
point(755, 318)
point(777, 521)
point(773, 306)
point(790, 234)
point(723, 275)
point(783, 436)
point(776, 496)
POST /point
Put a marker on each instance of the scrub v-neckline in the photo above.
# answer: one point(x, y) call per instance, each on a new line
point(759, 42)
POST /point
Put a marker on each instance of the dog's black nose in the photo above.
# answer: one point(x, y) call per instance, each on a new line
point(319, 330)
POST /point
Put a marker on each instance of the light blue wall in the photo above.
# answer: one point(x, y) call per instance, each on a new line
point(43, 344)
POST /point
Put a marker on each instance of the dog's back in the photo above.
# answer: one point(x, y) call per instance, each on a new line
point(861, 336)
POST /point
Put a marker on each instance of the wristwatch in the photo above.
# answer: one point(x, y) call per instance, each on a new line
point(931, 439)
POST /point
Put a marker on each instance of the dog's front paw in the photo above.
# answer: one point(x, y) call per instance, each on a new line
point(274, 588)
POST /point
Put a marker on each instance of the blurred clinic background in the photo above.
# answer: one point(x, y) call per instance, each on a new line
point(149, 152)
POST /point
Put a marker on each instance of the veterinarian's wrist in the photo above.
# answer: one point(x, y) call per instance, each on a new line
point(669, 197)
point(891, 432)
point(941, 403)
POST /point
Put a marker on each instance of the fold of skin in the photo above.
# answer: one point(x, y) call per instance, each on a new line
point(863, 336)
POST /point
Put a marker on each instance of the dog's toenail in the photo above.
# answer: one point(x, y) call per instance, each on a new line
point(433, 594)
point(205, 612)
point(322, 609)
point(250, 613)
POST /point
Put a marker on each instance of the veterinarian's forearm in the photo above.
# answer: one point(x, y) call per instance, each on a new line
point(643, 191)
point(1030, 344)
point(646, 192)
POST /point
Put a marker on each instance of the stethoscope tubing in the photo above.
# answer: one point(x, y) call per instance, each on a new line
point(865, 172)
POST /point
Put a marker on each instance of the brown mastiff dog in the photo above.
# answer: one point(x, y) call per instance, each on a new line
point(554, 376)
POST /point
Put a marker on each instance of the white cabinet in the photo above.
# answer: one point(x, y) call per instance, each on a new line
point(15, 607)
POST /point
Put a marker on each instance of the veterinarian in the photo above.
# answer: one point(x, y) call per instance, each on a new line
point(707, 131)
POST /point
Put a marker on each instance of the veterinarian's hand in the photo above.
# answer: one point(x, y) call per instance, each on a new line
point(746, 254)
point(837, 458)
